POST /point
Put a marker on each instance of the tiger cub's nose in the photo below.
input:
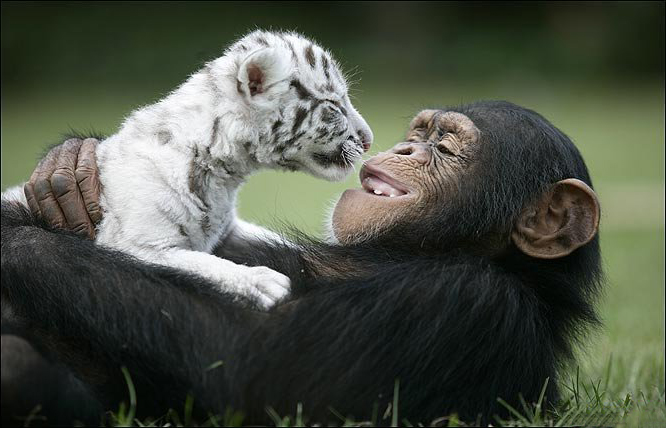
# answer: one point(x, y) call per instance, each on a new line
point(366, 140)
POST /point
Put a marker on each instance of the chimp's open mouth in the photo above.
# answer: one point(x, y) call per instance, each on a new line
point(378, 183)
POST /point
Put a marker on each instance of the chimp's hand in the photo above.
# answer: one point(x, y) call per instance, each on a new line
point(64, 188)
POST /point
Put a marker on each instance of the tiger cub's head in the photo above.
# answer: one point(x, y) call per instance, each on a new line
point(297, 96)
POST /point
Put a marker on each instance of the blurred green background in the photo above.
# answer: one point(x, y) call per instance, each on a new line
point(596, 70)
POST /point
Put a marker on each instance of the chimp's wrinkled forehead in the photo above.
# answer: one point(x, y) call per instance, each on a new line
point(521, 141)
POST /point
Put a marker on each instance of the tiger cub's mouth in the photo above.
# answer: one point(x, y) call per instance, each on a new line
point(344, 156)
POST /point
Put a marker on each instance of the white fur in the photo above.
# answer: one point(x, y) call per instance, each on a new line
point(212, 132)
point(15, 194)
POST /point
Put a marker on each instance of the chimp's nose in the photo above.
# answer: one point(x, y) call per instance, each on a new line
point(417, 151)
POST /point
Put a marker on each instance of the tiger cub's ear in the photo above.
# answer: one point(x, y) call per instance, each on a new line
point(262, 72)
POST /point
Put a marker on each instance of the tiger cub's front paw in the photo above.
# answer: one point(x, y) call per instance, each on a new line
point(266, 285)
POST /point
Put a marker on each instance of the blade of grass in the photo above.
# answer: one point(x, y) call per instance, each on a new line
point(394, 415)
point(513, 411)
point(129, 418)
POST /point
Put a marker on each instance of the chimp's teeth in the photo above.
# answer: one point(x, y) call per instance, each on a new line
point(373, 184)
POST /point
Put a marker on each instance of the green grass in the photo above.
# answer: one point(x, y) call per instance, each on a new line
point(619, 129)
point(586, 402)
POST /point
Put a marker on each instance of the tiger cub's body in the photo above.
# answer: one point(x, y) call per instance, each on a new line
point(170, 176)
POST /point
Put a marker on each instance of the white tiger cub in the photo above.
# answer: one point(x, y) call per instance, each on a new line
point(171, 174)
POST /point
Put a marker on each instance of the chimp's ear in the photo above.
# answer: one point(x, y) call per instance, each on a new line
point(261, 70)
point(565, 218)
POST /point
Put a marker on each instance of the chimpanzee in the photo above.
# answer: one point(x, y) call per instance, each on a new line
point(464, 269)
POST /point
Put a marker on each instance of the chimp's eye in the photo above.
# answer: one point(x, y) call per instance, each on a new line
point(444, 150)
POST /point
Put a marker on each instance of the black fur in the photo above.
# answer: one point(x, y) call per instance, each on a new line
point(424, 304)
